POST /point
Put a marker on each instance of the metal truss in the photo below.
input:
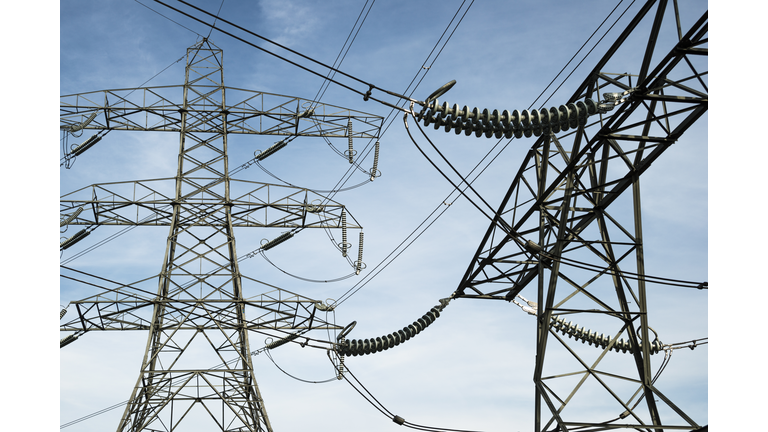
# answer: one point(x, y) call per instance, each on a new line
point(151, 109)
point(151, 203)
point(197, 314)
point(570, 224)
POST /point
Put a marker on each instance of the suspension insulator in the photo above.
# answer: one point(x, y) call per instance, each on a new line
point(77, 127)
point(341, 365)
point(422, 322)
point(68, 340)
point(390, 341)
point(592, 338)
point(62, 313)
point(283, 341)
point(74, 239)
point(375, 169)
point(415, 329)
point(373, 345)
point(344, 244)
point(349, 134)
point(271, 150)
point(86, 145)
point(359, 255)
point(71, 217)
point(495, 124)
point(277, 240)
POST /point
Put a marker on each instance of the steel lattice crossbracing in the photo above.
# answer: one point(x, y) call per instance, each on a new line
point(571, 225)
point(198, 316)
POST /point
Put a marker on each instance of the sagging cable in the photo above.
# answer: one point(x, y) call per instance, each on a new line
point(356, 347)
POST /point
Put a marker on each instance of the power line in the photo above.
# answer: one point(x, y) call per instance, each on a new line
point(590, 51)
point(355, 288)
point(366, 95)
point(137, 1)
point(217, 17)
point(581, 48)
point(368, 396)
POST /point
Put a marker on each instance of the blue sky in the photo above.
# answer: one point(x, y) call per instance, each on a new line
point(472, 369)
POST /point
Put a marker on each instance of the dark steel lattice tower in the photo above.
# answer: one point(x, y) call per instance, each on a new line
point(570, 224)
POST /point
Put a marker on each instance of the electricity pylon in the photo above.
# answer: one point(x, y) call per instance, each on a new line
point(570, 224)
point(199, 317)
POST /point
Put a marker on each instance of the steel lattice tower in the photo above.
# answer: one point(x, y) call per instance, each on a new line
point(569, 227)
point(200, 233)
point(200, 316)
point(570, 224)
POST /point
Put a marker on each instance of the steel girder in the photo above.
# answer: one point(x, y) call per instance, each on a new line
point(571, 225)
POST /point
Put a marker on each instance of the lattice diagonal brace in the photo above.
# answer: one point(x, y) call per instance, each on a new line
point(198, 314)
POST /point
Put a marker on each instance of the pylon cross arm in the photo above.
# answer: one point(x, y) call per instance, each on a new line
point(253, 112)
point(133, 314)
